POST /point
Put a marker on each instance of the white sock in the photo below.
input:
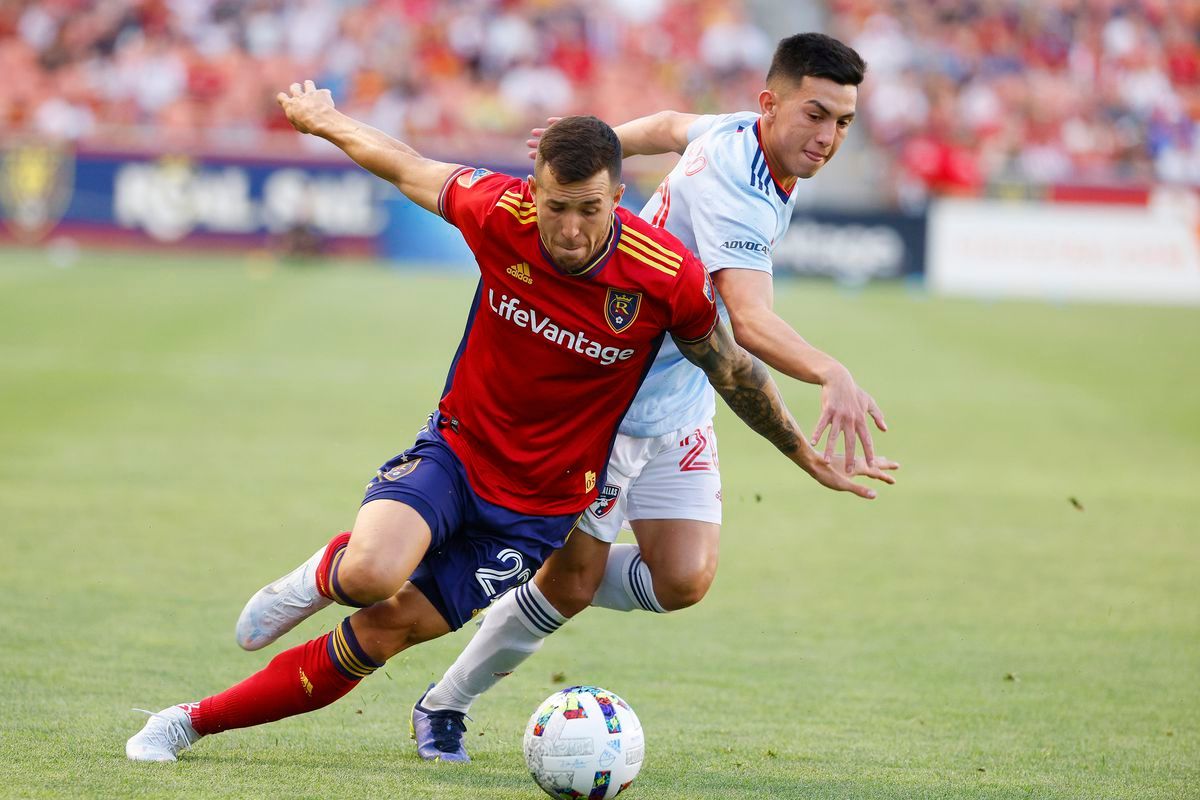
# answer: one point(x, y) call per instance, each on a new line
point(627, 584)
point(512, 631)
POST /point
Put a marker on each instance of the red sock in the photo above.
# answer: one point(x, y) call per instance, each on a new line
point(296, 681)
point(327, 580)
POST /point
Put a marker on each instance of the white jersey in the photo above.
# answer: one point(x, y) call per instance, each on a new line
point(722, 202)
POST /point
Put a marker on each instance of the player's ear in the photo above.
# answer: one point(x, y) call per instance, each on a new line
point(620, 193)
point(532, 181)
point(767, 102)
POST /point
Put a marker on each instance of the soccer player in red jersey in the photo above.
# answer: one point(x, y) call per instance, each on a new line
point(729, 199)
point(574, 298)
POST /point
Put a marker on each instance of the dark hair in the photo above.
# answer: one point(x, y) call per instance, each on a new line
point(817, 55)
point(576, 148)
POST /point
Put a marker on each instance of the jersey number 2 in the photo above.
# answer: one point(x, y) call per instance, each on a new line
point(489, 578)
point(693, 460)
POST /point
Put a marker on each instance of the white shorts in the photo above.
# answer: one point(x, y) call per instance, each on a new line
point(673, 476)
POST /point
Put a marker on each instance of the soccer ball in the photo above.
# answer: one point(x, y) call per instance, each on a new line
point(584, 742)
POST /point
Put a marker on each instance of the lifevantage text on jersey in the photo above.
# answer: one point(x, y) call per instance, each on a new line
point(542, 325)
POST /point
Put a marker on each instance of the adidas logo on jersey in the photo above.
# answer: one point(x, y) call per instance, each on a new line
point(520, 272)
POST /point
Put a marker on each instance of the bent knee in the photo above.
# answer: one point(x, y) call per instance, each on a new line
point(392, 626)
point(365, 581)
point(569, 593)
point(676, 590)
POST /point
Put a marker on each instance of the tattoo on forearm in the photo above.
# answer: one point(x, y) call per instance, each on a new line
point(757, 410)
point(763, 410)
point(750, 392)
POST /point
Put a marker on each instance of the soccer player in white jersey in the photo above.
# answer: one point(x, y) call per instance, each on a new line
point(729, 199)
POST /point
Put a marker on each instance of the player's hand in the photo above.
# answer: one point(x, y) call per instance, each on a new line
point(305, 106)
point(833, 473)
point(536, 134)
point(881, 470)
point(844, 411)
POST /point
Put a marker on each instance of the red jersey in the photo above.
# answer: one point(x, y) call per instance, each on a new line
point(550, 361)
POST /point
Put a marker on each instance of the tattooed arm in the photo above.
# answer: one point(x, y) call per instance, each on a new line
point(750, 391)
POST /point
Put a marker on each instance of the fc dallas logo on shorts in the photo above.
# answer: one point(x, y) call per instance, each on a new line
point(605, 502)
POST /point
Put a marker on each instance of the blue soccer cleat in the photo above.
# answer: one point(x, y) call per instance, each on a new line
point(439, 734)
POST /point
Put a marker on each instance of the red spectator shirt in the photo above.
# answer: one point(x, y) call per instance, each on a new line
point(550, 361)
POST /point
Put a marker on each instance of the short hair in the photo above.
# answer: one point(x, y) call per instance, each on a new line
point(576, 148)
point(817, 55)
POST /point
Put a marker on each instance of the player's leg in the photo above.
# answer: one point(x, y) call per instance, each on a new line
point(314, 674)
point(391, 626)
point(512, 630)
point(516, 624)
point(681, 558)
point(674, 509)
point(417, 502)
point(352, 569)
point(359, 568)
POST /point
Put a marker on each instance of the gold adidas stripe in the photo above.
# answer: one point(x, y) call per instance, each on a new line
point(337, 560)
point(630, 251)
point(635, 245)
point(513, 204)
point(523, 213)
point(524, 208)
point(667, 254)
point(518, 197)
point(346, 655)
point(523, 220)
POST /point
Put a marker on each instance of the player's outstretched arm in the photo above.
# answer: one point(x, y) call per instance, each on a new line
point(749, 296)
point(311, 110)
point(746, 385)
point(664, 132)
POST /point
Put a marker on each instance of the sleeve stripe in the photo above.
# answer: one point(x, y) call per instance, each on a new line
point(699, 339)
point(441, 203)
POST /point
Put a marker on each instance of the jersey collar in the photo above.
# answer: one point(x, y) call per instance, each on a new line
point(596, 264)
point(784, 194)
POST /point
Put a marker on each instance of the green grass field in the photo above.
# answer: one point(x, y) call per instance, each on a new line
point(176, 432)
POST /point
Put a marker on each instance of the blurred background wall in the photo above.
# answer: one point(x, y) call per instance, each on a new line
point(153, 122)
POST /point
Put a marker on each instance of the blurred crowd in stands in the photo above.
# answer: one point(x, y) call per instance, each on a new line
point(440, 73)
point(960, 93)
point(970, 92)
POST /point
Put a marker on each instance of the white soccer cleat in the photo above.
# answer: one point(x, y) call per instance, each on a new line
point(282, 605)
point(165, 735)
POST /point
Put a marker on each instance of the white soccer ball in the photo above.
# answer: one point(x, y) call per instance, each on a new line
point(584, 742)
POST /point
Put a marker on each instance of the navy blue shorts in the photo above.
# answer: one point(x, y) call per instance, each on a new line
point(479, 550)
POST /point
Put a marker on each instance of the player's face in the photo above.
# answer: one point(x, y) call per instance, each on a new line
point(805, 124)
point(574, 218)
